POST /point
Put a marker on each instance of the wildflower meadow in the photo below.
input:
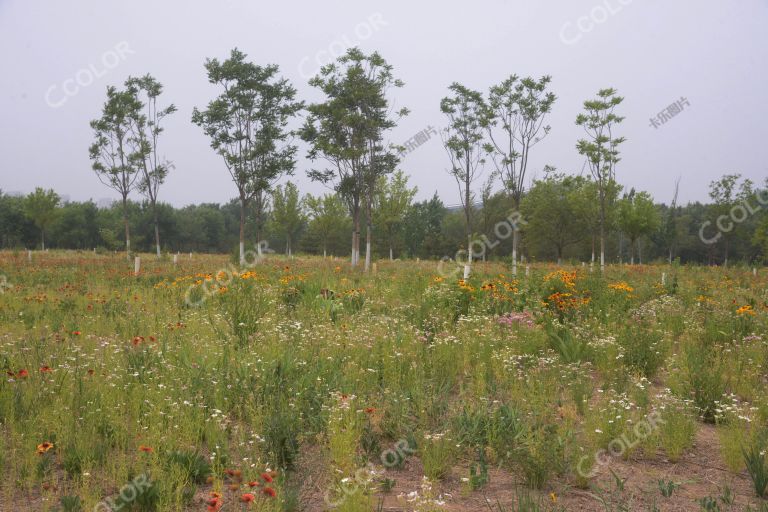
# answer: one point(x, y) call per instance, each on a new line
point(303, 384)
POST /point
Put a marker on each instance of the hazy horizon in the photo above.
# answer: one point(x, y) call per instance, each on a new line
point(710, 54)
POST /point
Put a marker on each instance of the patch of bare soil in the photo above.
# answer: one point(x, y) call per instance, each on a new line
point(700, 473)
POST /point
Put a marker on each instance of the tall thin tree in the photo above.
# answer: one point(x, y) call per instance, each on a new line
point(115, 152)
point(515, 123)
point(601, 149)
point(347, 129)
point(463, 142)
point(247, 124)
point(146, 127)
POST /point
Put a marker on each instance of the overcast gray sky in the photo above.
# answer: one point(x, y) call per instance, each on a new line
point(57, 58)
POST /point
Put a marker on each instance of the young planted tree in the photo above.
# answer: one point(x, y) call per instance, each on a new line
point(638, 217)
point(327, 213)
point(554, 212)
point(601, 149)
point(40, 207)
point(347, 129)
point(115, 154)
point(726, 194)
point(146, 129)
point(423, 229)
point(247, 124)
point(463, 141)
point(393, 200)
point(288, 214)
point(515, 124)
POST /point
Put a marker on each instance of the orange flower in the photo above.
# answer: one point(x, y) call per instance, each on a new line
point(253, 483)
point(45, 369)
point(269, 492)
point(76, 333)
point(146, 449)
point(247, 498)
point(44, 447)
point(370, 410)
point(23, 374)
point(215, 503)
point(266, 477)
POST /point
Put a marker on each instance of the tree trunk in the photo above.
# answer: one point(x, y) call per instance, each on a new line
point(356, 232)
point(368, 228)
point(602, 231)
point(514, 250)
point(242, 231)
point(390, 253)
point(468, 211)
point(324, 251)
point(157, 232)
point(367, 249)
point(42, 232)
point(127, 229)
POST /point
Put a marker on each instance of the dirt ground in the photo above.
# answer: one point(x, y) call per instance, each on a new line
point(699, 472)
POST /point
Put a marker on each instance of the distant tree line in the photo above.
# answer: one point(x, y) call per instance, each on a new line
point(559, 212)
point(587, 217)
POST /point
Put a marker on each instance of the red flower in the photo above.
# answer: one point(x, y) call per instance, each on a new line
point(45, 369)
point(370, 410)
point(91, 371)
point(215, 503)
point(23, 374)
point(269, 492)
point(146, 449)
point(247, 497)
point(266, 477)
point(254, 483)
point(76, 333)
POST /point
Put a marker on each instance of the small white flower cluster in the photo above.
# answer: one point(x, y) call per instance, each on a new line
point(731, 408)
point(664, 305)
point(424, 501)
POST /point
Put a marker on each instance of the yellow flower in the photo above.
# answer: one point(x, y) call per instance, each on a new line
point(621, 286)
point(745, 310)
point(553, 497)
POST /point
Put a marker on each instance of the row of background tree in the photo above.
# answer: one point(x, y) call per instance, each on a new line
point(560, 214)
point(349, 150)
